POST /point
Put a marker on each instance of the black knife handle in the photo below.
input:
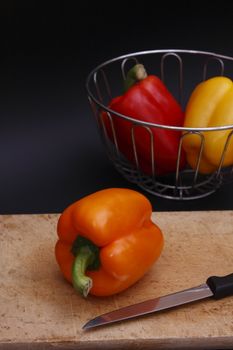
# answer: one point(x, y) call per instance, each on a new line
point(221, 286)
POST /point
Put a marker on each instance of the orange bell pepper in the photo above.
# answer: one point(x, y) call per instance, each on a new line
point(107, 241)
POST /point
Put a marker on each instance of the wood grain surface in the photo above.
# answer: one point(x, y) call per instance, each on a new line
point(40, 310)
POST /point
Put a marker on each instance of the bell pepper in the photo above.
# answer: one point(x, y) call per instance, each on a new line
point(147, 99)
point(210, 105)
point(107, 241)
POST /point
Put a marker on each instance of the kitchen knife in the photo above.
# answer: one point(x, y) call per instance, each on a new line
point(216, 287)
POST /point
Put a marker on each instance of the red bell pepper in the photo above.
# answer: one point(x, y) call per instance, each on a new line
point(147, 99)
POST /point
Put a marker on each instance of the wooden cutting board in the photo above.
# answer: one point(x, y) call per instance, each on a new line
point(39, 310)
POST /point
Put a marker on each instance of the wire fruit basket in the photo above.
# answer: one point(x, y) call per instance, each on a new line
point(185, 69)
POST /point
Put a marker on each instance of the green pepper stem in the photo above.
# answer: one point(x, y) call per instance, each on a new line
point(81, 282)
point(135, 74)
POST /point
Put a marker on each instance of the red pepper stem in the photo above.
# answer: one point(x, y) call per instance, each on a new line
point(134, 75)
point(81, 282)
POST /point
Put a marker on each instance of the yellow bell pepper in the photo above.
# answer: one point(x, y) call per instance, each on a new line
point(210, 105)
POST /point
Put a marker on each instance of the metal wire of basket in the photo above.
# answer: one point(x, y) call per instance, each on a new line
point(182, 184)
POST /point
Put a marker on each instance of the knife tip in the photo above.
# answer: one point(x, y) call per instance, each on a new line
point(91, 324)
point(86, 326)
point(96, 322)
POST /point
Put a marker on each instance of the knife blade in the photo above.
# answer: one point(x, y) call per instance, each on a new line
point(216, 287)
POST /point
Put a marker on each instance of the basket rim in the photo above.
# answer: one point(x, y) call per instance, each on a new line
point(148, 124)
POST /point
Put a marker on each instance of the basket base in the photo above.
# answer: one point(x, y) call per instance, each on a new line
point(167, 186)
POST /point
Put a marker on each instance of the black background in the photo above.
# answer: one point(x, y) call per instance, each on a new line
point(50, 151)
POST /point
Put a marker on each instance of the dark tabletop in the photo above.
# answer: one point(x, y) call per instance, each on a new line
point(50, 150)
